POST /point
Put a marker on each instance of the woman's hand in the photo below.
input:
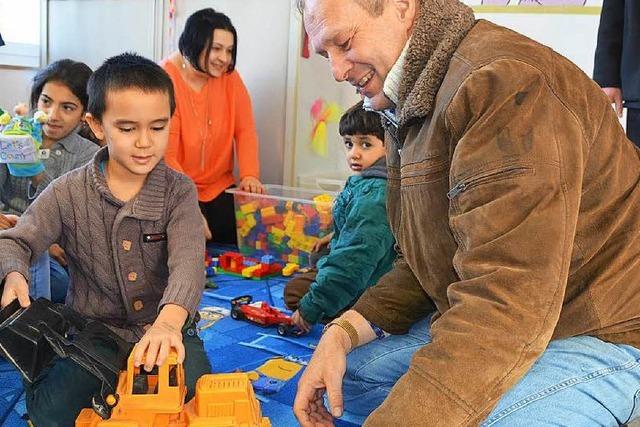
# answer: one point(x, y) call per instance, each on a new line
point(207, 231)
point(8, 221)
point(164, 333)
point(15, 286)
point(57, 253)
point(252, 185)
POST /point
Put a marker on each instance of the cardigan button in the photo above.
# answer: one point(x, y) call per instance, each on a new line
point(126, 245)
point(138, 305)
point(132, 277)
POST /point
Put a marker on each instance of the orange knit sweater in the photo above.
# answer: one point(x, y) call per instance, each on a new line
point(203, 129)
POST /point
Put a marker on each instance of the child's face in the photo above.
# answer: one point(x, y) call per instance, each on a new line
point(64, 110)
point(135, 127)
point(362, 151)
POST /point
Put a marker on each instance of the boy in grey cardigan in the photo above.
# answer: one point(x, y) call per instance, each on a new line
point(133, 235)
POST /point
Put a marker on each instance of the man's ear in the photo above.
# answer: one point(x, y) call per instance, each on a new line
point(95, 125)
point(405, 10)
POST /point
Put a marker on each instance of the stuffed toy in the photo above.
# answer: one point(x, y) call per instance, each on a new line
point(20, 141)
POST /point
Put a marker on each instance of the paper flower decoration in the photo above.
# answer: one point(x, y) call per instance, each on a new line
point(321, 114)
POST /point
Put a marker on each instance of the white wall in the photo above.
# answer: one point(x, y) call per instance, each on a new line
point(15, 85)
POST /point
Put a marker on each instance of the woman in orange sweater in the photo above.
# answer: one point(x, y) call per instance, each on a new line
point(213, 109)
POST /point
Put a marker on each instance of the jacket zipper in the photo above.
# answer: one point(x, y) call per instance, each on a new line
point(464, 185)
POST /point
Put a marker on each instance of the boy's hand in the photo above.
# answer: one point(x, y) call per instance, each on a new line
point(161, 336)
point(157, 342)
point(322, 242)
point(299, 321)
point(8, 221)
point(251, 184)
point(57, 253)
point(15, 286)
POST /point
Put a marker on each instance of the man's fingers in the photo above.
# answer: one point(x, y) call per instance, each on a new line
point(619, 106)
point(334, 393)
point(301, 403)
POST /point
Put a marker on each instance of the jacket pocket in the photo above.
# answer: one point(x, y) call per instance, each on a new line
point(424, 172)
point(490, 176)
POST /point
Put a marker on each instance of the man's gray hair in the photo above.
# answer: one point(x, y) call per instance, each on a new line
point(374, 7)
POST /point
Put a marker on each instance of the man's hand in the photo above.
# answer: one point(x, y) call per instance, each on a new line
point(57, 253)
point(251, 184)
point(15, 286)
point(163, 334)
point(615, 97)
point(8, 221)
point(323, 374)
point(299, 321)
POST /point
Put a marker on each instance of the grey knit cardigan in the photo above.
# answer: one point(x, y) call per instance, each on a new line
point(126, 260)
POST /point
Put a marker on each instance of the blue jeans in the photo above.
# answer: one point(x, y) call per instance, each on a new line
point(49, 279)
point(578, 381)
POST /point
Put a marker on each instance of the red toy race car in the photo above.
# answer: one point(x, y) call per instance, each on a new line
point(263, 314)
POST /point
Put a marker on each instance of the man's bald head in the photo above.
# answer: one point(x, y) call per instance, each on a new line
point(373, 7)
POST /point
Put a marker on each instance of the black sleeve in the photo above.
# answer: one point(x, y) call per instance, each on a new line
point(606, 69)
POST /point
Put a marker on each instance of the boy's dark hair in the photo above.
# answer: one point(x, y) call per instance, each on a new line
point(357, 121)
point(72, 74)
point(197, 36)
point(127, 71)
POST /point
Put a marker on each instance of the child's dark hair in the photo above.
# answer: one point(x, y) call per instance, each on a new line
point(127, 71)
point(197, 36)
point(73, 75)
point(358, 121)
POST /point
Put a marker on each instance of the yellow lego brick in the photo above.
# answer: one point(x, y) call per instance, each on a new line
point(248, 208)
point(268, 211)
point(289, 269)
point(248, 271)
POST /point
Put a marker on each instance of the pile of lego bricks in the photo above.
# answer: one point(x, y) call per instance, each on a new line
point(285, 229)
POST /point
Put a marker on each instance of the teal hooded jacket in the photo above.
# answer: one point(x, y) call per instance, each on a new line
point(361, 250)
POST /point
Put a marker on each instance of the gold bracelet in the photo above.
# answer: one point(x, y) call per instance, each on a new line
point(347, 327)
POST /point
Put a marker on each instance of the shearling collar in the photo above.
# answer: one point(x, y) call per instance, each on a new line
point(439, 29)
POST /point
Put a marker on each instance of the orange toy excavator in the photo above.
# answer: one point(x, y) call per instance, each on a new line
point(156, 399)
point(31, 337)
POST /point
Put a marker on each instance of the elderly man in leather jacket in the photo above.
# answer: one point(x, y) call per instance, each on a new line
point(513, 195)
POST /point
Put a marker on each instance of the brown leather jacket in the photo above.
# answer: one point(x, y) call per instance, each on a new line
point(516, 206)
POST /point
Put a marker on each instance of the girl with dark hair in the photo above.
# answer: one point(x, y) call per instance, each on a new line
point(60, 90)
point(213, 109)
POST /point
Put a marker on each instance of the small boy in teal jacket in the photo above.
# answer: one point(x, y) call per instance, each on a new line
point(361, 248)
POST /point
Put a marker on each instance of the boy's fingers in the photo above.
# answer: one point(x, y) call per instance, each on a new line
point(152, 355)
point(163, 352)
point(139, 352)
point(23, 297)
point(179, 346)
